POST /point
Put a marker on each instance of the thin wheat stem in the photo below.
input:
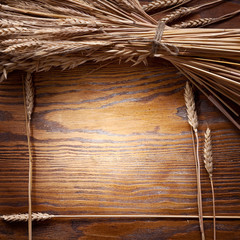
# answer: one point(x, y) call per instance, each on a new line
point(208, 161)
point(197, 167)
point(194, 148)
point(28, 106)
point(200, 210)
point(214, 209)
point(29, 181)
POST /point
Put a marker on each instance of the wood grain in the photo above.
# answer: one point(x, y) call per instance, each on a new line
point(113, 140)
point(120, 229)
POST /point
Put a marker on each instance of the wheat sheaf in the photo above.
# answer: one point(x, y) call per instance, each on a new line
point(36, 35)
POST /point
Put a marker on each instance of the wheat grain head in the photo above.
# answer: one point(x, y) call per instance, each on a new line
point(201, 22)
point(24, 217)
point(178, 13)
point(208, 159)
point(162, 4)
point(29, 95)
point(190, 105)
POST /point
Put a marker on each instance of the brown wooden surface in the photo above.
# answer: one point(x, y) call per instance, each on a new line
point(115, 140)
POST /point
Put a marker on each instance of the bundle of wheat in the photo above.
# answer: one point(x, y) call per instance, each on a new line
point(39, 34)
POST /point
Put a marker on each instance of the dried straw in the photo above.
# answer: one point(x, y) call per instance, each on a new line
point(41, 34)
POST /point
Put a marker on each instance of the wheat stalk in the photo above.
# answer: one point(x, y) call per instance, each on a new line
point(45, 216)
point(208, 160)
point(193, 121)
point(158, 4)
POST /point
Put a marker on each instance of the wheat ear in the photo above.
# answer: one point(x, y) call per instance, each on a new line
point(24, 217)
point(208, 161)
point(190, 105)
point(202, 22)
point(29, 104)
point(193, 121)
point(29, 95)
point(185, 11)
point(194, 23)
point(158, 4)
point(4, 75)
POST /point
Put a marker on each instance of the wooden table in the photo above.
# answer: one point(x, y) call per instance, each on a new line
point(114, 139)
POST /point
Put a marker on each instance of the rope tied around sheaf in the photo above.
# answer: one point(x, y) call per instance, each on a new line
point(157, 42)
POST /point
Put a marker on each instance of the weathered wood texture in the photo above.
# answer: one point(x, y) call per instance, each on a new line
point(114, 140)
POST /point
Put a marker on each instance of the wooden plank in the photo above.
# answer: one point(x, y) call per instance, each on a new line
point(120, 229)
point(113, 140)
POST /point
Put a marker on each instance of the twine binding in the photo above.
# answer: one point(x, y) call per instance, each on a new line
point(157, 42)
